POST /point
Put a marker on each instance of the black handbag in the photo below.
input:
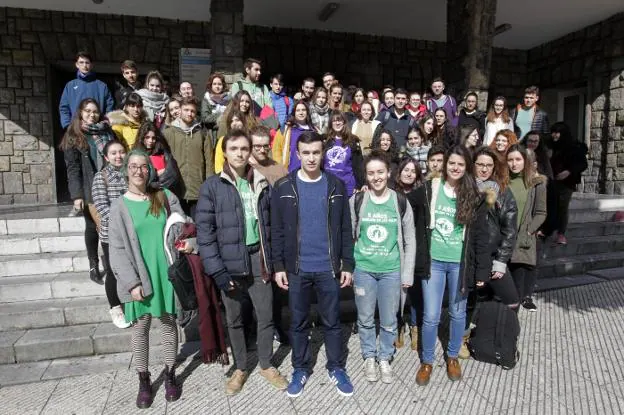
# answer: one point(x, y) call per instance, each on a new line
point(181, 276)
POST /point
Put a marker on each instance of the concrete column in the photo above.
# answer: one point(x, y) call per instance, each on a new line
point(470, 28)
point(227, 34)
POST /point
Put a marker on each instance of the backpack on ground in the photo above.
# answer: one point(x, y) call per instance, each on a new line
point(495, 337)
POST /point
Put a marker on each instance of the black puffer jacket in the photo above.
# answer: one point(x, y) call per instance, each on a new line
point(502, 227)
point(475, 263)
point(220, 222)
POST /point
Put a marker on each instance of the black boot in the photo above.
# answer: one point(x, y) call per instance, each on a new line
point(144, 397)
point(94, 272)
point(172, 389)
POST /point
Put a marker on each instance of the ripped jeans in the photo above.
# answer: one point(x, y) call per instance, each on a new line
point(383, 290)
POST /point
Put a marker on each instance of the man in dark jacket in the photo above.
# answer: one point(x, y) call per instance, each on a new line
point(129, 84)
point(86, 85)
point(471, 116)
point(233, 221)
point(528, 116)
point(312, 248)
point(397, 118)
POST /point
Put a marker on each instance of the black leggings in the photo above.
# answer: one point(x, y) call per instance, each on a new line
point(110, 284)
point(524, 277)
point(564, 195)
point(91, 236)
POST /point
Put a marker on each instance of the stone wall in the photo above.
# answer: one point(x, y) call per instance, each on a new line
point(31, 40)
point(591, 58)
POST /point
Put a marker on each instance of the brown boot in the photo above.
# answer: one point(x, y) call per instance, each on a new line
point(464, 353)
point(424, 374)
point(414, 337)
point(399, 341)
point(453, 369)
point(236, 382)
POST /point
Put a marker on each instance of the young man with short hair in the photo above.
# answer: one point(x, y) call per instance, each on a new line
point(86, 85)
point(470, 115)
point(312, 249)
point(397, 118)
point(251, 83)
point(328, 80)
point(129, 84)
point(528, 116)
point(307, 89)
point(260, 158)
point(186, 90)
point(192, 150)
point(441, 100)
point(282, 104)
point(233, 222)
point(435, 160)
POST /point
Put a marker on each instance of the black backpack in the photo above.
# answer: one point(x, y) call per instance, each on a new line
point(181, 276)
point(359, 197)
point(495, 337)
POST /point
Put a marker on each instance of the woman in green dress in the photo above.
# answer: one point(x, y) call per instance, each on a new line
point(137, 257)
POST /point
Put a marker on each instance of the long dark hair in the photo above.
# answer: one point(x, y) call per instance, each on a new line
point(491, 115)
point(466, 190)
point(565, 134)
point(75, 136)
point(292, 120)
point(438, 130)
point(529, 170)
point(345, 135)
point(397, 178)
point(160, 144)
point(393, 151)
point(500, 172)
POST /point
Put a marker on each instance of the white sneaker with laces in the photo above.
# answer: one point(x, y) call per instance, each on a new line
point(370, 370)
point(118, 317)
point(386, 372)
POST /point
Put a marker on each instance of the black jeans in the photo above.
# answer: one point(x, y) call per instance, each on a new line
point(261, 294)
point(327, 289)
point(564, 195)
point(91, 236)
point(524, 277)
point(110, 284)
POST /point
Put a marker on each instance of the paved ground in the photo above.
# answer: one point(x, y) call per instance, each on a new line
point(570, 363)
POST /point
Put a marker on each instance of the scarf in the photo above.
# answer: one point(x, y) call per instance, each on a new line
point(210, 324)
point(221, 99)
point(412, 152)
point(320, 117)
point(188, 130)
point(488, 185)
point(97, 135)
point(154, 103)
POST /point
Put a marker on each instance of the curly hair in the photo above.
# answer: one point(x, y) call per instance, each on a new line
point(466, 190)
point(393, 151)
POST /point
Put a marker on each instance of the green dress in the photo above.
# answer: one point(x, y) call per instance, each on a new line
point(150, 232)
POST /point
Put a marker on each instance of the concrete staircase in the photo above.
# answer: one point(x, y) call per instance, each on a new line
point(50, 309)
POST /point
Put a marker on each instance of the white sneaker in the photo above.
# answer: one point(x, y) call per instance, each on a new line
point(386, 372)
point(370, 370)
point(118, 317)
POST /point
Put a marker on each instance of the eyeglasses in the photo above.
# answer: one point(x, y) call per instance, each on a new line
point(484, 166)
point(133, 168)
point(259, 147)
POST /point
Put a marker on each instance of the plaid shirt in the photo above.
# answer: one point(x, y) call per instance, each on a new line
point(108, 185)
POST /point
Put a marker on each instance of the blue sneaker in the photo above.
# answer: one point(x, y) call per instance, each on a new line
point(342, 382)
point(297, 382)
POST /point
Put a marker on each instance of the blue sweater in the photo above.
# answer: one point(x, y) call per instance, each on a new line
point(281, 109)
point(81, 88)
point(314, 240)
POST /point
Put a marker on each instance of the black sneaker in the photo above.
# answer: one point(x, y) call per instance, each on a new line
point(94, 273)
point(529, 305)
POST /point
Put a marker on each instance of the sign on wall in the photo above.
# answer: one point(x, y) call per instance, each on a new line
point(195, 67)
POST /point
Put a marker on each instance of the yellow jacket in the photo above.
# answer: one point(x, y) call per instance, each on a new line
point(219, 156)
point(124, 128)
point(281, 146)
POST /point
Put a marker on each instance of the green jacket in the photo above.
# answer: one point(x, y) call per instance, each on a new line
point(525, 251)
point(192, 150)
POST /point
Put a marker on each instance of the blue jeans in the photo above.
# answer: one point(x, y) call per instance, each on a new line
point(384, 290)
point(442, 274)
point(327, 289)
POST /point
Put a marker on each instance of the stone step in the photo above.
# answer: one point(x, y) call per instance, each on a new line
point(576, 230)
point(597, 202)
point(48, 286)
point(53, 313)
point(48, 263)
point(590, 215)
point(580, 264)
point(77, 340)
point(583, 246)
point(28, 225)
point(20, 244)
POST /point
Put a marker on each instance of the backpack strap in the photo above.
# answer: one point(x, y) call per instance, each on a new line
point(240, 85)
point(402, 201)
point(357, 204)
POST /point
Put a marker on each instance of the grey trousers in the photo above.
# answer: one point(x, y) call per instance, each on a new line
point(261, 295)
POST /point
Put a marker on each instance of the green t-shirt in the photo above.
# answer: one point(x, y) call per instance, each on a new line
point(377, 249)
point(252, 233)
point(447, 235)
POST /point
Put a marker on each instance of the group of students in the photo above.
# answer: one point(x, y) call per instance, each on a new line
point(312, 193)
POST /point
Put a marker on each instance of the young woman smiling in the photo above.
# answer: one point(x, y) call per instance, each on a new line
point(285, 145)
